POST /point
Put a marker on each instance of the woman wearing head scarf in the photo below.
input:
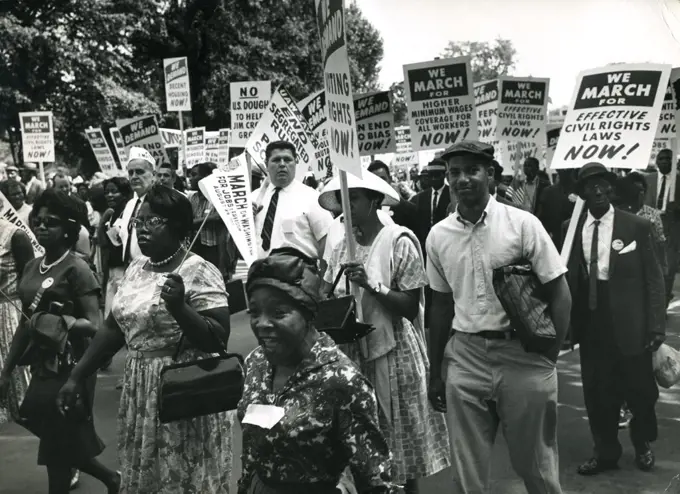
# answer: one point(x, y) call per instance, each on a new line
point(320, 413)
point(58, 290)
point(389, 271)
point(161, 298)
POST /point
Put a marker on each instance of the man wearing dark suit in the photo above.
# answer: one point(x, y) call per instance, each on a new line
point(403, 214)
point(432, 203)
point(555, 205)
point(617, 318)
point(659, 196)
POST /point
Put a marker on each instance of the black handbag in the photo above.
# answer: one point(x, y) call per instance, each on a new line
point(200, 387)
point(338, 316)
point(524, 300)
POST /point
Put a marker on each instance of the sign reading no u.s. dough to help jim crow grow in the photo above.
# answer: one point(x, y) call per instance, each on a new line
point(37, 136)
point(613, 116)
point(522, 109)
point(441, 103)
point(177, 90)
point(344, 144)
point(249, 100)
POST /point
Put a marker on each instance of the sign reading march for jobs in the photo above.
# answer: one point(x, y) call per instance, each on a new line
point(177, 91)
point(441, 103)
point(613, 116)
point(339, 101)
point(37, 136)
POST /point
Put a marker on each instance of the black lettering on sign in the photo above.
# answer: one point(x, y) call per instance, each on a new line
point(331, 21)
point(176, 70)
point(370, 106)
point(630, 88)
point(486, 92)
point(523, 93)
point(446, 81)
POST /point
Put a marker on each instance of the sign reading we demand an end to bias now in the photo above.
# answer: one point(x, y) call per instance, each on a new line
point(441, 103)
point(375, 123)
point(613, 116)
point(344, 143)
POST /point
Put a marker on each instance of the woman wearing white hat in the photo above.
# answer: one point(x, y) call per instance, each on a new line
point(389, 271)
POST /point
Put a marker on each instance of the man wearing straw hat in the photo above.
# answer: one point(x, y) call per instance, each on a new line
point(617, 318)
point(481, 375)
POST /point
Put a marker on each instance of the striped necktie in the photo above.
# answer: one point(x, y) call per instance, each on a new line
point(269, 220)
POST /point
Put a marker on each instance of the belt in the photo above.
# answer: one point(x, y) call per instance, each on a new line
point(494, 335)
point(146, 354)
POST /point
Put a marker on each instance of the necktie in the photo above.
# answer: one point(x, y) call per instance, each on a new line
point(130, 226)
point(592, 289)
point(269, 220)
point(434, 206)
point(662, 193)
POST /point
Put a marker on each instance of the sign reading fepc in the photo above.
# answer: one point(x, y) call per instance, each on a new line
point(177, 90)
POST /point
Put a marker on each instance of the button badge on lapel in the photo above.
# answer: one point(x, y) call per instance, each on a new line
point(617, 245)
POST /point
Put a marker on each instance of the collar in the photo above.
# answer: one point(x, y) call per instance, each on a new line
point(438, 191)
point(271, 187)
point(489, 209)
point(607, 217)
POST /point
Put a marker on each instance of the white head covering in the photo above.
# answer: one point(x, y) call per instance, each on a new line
point(329, 202)
point(137, 153)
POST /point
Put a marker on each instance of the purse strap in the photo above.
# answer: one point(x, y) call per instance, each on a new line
point(221, 350)
point(336, 281)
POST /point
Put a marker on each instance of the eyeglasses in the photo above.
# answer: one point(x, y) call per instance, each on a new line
point(48, 221)
point(150, 223)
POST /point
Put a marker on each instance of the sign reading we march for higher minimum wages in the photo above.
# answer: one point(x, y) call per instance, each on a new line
point(613, 116)
point(441, 103)
point(338, 82)
point(177, 90)
point(37, 136)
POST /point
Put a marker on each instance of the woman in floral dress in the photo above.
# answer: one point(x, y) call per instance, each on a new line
point(389, 271)
point(160, 299)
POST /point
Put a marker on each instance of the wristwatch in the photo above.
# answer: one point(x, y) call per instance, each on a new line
point(382, 289)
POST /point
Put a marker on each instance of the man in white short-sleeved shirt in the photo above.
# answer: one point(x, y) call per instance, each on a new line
point(288, 213)
point(482, 376)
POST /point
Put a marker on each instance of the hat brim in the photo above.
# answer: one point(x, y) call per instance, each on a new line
point(606, 174)
point(329, 201)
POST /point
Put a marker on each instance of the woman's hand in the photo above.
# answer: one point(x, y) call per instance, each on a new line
point(173, 291)
point(356, 273)
point(68, 396)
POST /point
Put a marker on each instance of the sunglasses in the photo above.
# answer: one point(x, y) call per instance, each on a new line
point(150, 223)
point(47, 221)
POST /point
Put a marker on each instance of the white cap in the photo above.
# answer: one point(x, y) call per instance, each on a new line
point(137, 153)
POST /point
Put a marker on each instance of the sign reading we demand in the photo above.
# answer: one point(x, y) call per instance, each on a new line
point(613, 116)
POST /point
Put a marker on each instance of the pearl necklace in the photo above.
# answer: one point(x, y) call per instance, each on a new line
point(44, 268)
point(165, 261)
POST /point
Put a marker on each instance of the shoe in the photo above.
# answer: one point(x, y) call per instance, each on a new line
point(644, 459)
point(624, 418)
point(595, 466)
point(75, 479)
point(120, 384)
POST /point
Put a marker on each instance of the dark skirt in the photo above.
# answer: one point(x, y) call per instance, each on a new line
point(64, 441)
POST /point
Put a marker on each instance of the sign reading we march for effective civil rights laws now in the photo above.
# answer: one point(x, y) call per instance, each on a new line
point(375, 123)
point(343, 140)
point(522, 109)
point(177, 90)
point(613, 116)
point(441, 103)
point(37, 136)
point(249, 100)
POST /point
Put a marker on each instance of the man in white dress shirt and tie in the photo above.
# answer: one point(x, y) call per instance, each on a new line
point(287, 212)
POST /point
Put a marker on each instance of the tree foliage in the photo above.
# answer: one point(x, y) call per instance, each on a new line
point(489, 61)
point(93, 61)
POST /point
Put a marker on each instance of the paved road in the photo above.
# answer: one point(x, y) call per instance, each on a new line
point(19, 473)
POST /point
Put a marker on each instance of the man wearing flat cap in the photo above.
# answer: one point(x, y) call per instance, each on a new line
point(480, 373)
point(618, 318)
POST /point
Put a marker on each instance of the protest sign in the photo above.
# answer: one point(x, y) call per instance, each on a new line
point(223, 147)
point(282, 121)
point(658, 145)
point(212, 146)
point(666, 128)
point(675, 83)
point(144, 132)
point(486, 103)
point(229, 193)
point(313, 109)
point(101, 151)
point(37, 136)
point(249, 100)
point(172, 138)
point(402, 136)
point(403, 161)
point(119, 146)
point(7, 212)
point(441, 102)
point(177, 91)
point(522, 109)
point(344, 144)
point(507, 154)
point(375, 123)
point(613, 116)
point(552, 136)
point(195, 146)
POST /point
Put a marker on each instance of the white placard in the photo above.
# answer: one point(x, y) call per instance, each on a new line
point(249, 100)
point(313, 109)
point(223, 147)
point(101, 151)
point(119, 146)
point(195, 145)
point(144, 132)
point(37, 136)
point(172, 138)
point(375, 123)
point(7, 212)
point(522, 109)
point(212, 146)
point(177, 90)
